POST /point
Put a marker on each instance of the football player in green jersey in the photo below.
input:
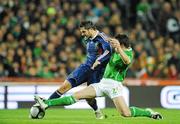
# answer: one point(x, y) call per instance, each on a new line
point(110, 85)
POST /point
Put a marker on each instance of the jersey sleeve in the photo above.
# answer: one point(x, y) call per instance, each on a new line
point(107, 50)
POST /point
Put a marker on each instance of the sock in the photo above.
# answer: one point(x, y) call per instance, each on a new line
point(66, 100)
point(138, 112)
point(56, 94)
point(92, 103)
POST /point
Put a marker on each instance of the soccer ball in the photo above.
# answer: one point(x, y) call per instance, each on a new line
point(36, 112)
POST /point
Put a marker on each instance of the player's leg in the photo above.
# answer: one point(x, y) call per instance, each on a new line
point(114, 90)
point(76, 78)
point(125, 111)
point(93, 103)
point(61, 90)
point(121, 106)
point(95, 77)
point(44, 104)
point(88, 92)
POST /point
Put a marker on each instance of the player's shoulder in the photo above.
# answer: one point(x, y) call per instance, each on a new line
point(129, 51)
point(101, 36)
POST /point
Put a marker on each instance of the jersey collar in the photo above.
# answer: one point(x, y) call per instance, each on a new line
point(97, 32)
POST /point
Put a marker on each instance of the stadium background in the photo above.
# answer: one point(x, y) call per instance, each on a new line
point(40, 45)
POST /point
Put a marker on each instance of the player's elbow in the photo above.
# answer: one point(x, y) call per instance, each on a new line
point(127, 61)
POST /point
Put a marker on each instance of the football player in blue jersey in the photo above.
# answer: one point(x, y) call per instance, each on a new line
point(92, 70)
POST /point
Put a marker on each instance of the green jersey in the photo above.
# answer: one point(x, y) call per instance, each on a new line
point(116, 69)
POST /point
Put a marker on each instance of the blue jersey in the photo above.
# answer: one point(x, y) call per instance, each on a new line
point(97, 49)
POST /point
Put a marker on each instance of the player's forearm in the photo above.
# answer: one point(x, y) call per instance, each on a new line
point(104, 56)
point(107, 52)
point(123, 55)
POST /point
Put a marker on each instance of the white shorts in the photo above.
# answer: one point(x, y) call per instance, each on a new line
point(108, 87)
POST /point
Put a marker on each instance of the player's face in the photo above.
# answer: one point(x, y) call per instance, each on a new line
point(85, 32)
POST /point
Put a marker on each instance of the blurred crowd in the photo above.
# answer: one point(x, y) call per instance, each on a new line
point(40, 38)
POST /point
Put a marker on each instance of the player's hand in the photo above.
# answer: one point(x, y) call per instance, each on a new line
point(96, 63)
point(114, 43)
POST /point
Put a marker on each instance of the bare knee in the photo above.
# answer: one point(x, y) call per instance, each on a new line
point(126, 113)
point(85, 93)
point(77, 95)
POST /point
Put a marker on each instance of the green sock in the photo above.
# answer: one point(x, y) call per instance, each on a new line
point(138, 112)
point(66, 100)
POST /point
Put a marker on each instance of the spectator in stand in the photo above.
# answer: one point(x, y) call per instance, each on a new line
point(40, 38)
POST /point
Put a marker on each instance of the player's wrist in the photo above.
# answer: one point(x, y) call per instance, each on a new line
point(99, 61)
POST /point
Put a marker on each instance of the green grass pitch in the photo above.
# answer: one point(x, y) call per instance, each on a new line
point(64, 116)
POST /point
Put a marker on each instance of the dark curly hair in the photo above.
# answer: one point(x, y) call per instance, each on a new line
point(87, 25)
point(123, 39)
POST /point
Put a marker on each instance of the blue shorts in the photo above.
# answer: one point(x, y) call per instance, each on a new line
point(84, 74)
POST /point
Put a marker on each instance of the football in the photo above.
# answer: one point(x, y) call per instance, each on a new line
point(36, 112)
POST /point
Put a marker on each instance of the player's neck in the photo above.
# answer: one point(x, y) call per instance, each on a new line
point(94, 33)
point(124, 48)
